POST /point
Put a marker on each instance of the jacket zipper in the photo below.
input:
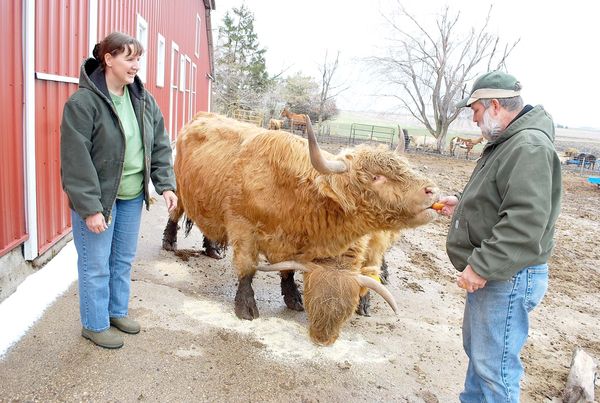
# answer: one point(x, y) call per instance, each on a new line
point(112, 107)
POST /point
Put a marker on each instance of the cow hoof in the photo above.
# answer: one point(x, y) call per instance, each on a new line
point(245, 304)
point(364, 305)
point(213, 253)
point(171, 246)
point(246, 312)
point(294, 302)
point(213, 249)
point(289, 290)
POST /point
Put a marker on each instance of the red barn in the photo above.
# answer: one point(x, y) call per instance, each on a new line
point(43, 48)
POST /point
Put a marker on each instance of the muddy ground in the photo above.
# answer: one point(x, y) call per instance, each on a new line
point(193, 348)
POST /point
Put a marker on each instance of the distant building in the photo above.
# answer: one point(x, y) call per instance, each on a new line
point(44, 44)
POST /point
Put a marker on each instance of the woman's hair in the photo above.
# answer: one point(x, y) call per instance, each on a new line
point(115, 44)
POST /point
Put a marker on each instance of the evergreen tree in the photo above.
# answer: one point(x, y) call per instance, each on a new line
point(241, 77)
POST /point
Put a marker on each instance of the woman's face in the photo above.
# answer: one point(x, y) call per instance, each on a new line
point(124, 66)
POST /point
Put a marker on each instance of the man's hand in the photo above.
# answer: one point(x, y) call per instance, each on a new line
point(449, 203)
point(170, 199)
point(96, 223)
point(469, 280)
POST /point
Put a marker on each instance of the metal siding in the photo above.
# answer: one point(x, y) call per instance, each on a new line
point(61, 46)
point(12, 195)
point(177, 24)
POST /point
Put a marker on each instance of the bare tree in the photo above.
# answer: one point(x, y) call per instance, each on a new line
point(431, 67)
point(328, 90)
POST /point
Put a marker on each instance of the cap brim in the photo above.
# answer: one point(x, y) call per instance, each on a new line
point(465, 102)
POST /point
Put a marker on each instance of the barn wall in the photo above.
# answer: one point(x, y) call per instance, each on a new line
point(177, 25)
point(61, 45)
point(62, 42)
point(12, 196)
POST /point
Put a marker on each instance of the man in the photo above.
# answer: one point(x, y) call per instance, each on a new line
point(501, 234)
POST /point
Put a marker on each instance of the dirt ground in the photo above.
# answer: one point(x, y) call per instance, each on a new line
point(193, 348)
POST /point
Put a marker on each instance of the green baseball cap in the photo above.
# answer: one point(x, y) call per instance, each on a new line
point(494, 84)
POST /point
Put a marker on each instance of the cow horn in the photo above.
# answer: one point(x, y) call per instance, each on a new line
point(401, 142)
point(283, 266)
point(320, 163)
point(366, 281)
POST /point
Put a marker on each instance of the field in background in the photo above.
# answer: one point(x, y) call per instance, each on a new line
point(585, 140)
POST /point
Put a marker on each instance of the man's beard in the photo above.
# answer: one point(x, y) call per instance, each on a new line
point(491, 127)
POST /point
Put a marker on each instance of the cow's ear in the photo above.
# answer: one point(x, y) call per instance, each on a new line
point(336, 189)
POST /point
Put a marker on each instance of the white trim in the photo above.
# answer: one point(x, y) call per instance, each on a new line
point(197, 36)
point(193, 87)
point(141, 34)
point(55, 77)
point(208, 107)
point(173, 84)
point(30, 247)
point(182, 72)
point(161, 51)
point(92, 24)
point(183, 84)
point(188, 90)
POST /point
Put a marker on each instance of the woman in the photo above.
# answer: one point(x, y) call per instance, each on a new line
point(113, 141)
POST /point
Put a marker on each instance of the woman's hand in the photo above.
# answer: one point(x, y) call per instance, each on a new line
point(96, 223)
point(170, 199)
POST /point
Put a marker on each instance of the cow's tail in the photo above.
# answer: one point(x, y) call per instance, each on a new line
point(188, 225)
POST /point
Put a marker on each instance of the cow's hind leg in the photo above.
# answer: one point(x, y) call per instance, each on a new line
point(170, 232)
point(213, 249)
point(289, 290)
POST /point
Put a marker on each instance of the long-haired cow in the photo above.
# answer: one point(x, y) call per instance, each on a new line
point(269, 192)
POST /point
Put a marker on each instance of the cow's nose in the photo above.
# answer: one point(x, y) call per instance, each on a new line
point(430, 190)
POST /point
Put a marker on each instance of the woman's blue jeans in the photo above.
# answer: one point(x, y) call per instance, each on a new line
point(495, 328)
point(104, 264)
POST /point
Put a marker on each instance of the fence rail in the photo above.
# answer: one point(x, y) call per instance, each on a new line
point(364, 132)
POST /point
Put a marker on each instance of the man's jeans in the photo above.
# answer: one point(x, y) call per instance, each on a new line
point(495, 328)
point(104, 264)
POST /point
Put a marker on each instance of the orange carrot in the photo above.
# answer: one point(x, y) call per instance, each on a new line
point(437, 206)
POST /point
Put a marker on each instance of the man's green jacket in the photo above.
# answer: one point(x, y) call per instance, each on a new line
point(506, 216)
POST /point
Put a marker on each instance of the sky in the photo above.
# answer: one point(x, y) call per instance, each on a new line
point(557, 59)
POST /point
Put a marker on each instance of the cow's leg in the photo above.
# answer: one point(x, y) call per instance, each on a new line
point(213, 249)
point(245, 304)
point(384, 274)
point(364, 305)
point(289, 290)
point(170, 232)
point(245, 257)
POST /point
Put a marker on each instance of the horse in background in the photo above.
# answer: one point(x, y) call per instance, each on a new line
point(465, 143)
point(297, 121)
